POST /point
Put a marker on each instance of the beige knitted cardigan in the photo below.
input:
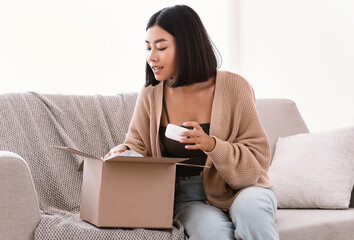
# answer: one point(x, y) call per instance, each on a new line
point(241, 156)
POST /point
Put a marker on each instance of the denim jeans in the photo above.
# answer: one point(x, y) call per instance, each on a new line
point(251, 216)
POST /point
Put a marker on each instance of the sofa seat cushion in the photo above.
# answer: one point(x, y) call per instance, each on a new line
point(315, 224)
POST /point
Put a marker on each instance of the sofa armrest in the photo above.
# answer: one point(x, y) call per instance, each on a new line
point(19, 210)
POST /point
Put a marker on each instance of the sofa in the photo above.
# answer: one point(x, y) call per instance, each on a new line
point(40, 186)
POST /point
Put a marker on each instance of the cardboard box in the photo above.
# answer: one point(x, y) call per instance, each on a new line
point(127, 192)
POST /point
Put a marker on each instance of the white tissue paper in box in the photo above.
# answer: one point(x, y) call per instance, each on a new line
point(129, 153)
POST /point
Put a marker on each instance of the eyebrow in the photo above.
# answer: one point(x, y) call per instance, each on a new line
point(157, 41)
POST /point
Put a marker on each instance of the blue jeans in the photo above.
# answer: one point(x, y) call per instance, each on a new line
point(251, 216)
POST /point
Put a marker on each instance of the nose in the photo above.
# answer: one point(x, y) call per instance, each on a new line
point(152, 56)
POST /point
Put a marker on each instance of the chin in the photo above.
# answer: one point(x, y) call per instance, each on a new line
point(159, 78)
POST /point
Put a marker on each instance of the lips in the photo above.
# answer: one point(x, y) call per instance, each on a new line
point(156, 69)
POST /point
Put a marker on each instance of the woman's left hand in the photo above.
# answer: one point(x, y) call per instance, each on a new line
point(197, 136)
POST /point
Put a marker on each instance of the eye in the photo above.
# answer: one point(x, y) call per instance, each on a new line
point(161, 49)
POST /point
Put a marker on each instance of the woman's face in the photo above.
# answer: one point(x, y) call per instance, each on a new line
point(161, 53)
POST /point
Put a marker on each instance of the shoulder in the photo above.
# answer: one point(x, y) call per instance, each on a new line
point(233, 82)
point(146, 93)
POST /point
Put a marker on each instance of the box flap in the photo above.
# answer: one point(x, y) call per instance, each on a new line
point(71, 150)
point(91, 189)
point(192, 165)
point(81, 167)
point(146, 159)
point(130, 159)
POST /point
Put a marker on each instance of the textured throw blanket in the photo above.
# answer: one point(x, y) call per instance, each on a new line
point(31, 123)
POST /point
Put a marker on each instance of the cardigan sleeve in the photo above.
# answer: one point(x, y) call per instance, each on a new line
point(136, 136)
point(242, 160)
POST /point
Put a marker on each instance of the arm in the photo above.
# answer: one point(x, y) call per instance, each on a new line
point(245, 156)
point(134, 140)
point(19, 211)
point(138, 125)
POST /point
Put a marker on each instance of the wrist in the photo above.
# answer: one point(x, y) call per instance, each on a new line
point(212, 144)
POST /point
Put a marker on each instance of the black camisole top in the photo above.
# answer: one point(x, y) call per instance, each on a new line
point(172, 148)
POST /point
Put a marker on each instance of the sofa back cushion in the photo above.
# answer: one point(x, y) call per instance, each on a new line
point(280, 118)
point(31, 123)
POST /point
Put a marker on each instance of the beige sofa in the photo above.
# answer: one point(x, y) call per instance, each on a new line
point(39, 186)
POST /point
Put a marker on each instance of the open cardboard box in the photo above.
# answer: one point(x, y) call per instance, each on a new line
point(127, 192)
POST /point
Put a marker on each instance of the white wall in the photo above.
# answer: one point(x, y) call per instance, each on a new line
point(85, 47)
point(302, 50)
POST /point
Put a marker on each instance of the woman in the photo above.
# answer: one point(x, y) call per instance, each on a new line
point(232, 198)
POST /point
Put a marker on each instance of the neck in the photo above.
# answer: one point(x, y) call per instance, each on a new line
point(193, 88)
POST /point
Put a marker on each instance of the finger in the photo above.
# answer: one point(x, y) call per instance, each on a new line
point(190, 133)
point(188, 140)
point(192, 124)
point(190, 147)
point(193, 147)
point(193, 133)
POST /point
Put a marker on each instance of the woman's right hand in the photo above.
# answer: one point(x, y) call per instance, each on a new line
point(117, 149)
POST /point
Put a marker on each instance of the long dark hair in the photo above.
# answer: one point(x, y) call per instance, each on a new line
point(197, 56)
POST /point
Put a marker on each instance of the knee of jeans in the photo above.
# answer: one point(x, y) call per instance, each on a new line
point(252, 206)
point(209, 229)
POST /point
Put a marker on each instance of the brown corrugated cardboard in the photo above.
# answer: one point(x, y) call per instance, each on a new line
point(127, 192)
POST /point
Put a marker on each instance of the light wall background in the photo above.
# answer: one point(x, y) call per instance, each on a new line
point(301, 50)
point(85, 47)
